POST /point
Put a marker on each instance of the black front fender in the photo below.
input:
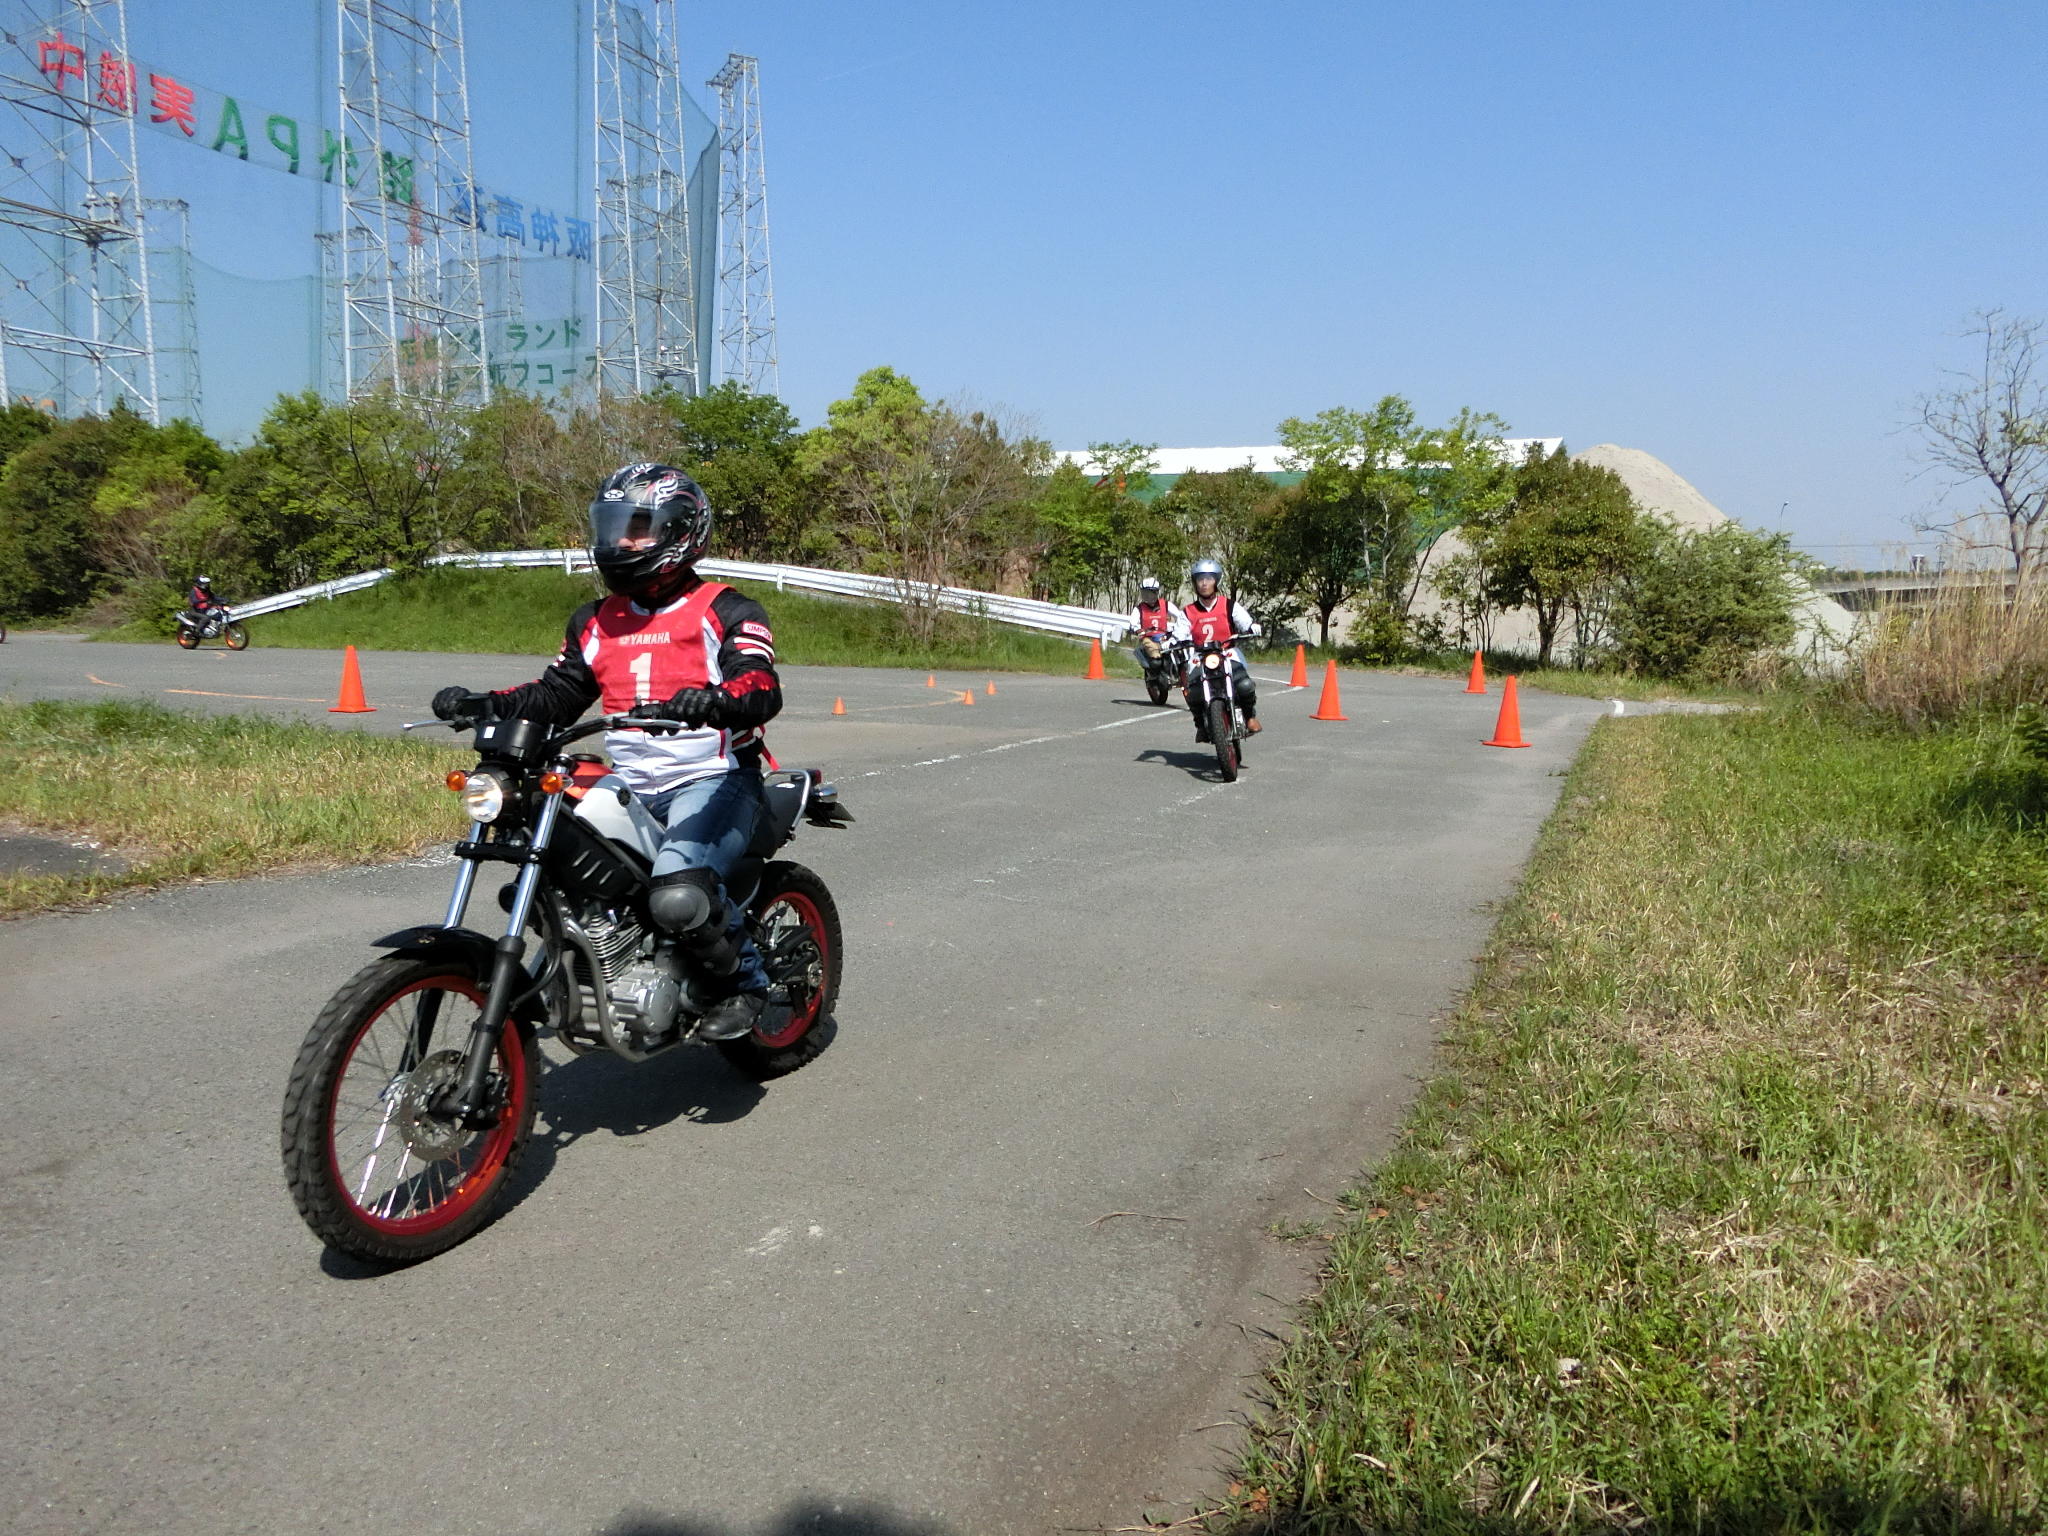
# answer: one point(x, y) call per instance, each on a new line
point(433, 942)
point(475, 952)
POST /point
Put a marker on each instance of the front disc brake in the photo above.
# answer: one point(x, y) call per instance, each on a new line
point(428, 1136)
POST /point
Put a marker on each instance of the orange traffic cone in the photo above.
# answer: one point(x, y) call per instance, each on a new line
point(991, 687)
point(1476, 683)
point(967, 696)
point(1507, 731)
point(1095, 674)
point(1328, 708)
point(1298, 678)
point(838, 706)
point(351, 701)
point(930, 681)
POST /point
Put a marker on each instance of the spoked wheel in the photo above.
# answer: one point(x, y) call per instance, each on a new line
point(186, 638)
point(1225, 741)
point(795, 924)
point(374, 1170)
point(237, 637)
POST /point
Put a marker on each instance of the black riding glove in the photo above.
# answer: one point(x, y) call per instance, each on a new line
point(456, 703)
point(688, 706)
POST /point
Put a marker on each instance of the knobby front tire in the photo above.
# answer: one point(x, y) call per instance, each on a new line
point(372, 1171)
point(237, 637)
point(795, 924)
point(1225, 742)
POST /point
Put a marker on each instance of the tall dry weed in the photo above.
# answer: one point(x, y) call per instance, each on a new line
point(1972, 647)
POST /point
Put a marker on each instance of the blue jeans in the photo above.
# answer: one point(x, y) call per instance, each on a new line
point(710, 821)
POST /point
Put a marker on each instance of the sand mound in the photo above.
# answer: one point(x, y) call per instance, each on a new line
point(1656, 486)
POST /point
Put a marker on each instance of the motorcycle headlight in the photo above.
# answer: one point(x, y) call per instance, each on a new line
point(483, 796)
point(1212, 661)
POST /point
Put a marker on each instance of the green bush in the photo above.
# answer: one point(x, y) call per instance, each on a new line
point(1705, 603)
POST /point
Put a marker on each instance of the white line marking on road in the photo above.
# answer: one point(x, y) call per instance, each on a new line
point(1008, 746)
point(278, 698)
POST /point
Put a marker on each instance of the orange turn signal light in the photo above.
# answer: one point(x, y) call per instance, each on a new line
point(457, 780)
point(553, 783)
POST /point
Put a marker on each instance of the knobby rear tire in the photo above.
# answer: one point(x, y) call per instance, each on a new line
point(1225, 742)
point(187, 639)
point(346, 1032)
point(803, 901)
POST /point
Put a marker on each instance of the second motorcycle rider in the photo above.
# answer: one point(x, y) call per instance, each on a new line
point(669, 645)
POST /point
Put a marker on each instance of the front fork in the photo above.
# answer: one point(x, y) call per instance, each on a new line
point(468, 1100)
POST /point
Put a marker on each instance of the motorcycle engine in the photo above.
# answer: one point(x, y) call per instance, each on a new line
point(638, 981)
point(646, 997)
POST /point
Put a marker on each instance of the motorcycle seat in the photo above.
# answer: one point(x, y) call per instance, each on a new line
point(785, 801)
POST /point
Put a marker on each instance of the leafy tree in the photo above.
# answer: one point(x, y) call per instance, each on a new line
point(1349, 530)
point(742, 448)
point(1072, 521)
point(51, 556)
point(914, 480)
point(20, 425)
point(1305, 552)
point(1218, 515)
point(1562, 545)
point(1703, 603)
point(1461, 472)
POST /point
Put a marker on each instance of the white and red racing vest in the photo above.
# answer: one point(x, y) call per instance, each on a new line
point(1155, 620)
point(637, 657)
point(1211, 623)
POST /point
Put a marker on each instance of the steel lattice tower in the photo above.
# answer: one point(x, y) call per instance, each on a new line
point(75, 313)
point(646, 328)
point(746, 285)
point(411, 282)
point(169, 224)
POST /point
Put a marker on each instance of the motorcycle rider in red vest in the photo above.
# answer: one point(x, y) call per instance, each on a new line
point(1213, 614)
point(670, 645)
point(1152, 620)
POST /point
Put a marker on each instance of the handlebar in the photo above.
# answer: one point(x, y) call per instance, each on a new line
point(627, 721)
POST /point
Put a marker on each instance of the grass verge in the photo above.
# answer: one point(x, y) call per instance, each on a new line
point(187, 796)
point(523, 612)
point(1729, 1211)
point(1586, 685)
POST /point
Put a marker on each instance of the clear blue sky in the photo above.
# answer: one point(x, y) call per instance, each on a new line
point(1741, 237)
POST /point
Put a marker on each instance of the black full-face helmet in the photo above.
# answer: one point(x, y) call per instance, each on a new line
point(648, 523)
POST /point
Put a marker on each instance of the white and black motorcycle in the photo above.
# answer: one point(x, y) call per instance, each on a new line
point(195, 627)
point(1212, 690)
point(413, 1096)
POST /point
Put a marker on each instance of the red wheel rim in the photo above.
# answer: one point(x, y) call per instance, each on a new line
point(481, 1160)
point(803, 1018)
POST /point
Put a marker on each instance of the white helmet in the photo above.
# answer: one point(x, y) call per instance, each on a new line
point(1149, 584)
point(1206, 567)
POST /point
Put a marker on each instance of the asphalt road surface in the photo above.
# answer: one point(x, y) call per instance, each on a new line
point(994, 1263)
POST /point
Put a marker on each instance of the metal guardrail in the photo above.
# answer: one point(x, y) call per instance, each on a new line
point(1023, 612)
